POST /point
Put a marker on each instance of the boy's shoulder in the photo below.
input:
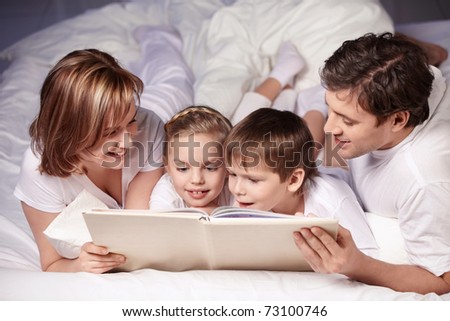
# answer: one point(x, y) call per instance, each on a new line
point(329, 187)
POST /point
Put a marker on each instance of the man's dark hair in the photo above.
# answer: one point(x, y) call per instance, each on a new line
point(387, 73)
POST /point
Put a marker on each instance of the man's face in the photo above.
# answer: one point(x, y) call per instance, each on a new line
point(354, 130)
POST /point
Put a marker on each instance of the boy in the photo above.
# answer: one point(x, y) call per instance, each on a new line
point(270, 159)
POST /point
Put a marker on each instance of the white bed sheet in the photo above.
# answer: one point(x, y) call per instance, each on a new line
point(224, 71)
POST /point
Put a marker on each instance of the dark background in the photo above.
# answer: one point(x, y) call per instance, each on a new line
point(19, 18)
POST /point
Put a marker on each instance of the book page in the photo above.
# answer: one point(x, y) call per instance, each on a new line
point(229, 211)
point(165, 241)
point(261, 244)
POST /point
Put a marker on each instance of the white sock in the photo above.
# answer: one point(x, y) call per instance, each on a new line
point(286, 100)
point(289, 63)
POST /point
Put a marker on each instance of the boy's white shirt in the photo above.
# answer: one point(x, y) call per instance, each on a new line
point(327, 196)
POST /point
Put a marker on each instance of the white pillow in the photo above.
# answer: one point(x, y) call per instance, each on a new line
point(68, 231)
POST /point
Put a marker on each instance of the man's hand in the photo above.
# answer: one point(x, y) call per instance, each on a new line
point(326, 255)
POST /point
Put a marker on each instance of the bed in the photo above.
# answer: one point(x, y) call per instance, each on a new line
point(230, 46)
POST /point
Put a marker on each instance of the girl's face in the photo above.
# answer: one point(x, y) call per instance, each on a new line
point(111, 151)
point(195, 164)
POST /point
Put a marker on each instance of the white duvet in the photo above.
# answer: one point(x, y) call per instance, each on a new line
point(230, 47)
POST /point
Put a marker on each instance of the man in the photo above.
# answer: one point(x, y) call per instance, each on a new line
point(389, 115)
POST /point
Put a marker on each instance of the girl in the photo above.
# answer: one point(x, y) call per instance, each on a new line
point(193, 158)
point(91, 135)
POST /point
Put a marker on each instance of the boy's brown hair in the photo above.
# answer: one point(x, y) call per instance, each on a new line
point(278, 140)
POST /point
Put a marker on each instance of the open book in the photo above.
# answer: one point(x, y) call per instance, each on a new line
point(189, 239)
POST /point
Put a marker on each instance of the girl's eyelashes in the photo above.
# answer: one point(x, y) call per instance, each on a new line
point(184, 165)
point(213, 166)
point(180, 165)
point(208, 168)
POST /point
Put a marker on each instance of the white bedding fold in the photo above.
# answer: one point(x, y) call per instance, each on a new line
point(192, 285)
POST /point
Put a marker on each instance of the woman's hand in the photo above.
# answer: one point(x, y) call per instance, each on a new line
point(97, 259)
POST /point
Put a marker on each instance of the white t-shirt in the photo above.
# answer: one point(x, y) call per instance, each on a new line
point(411, 182)
point(327, 196)
point(52, 194)
point(164, 196)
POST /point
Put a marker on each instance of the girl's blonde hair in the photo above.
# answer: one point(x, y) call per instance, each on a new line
point(86, 92)
point(197, 120)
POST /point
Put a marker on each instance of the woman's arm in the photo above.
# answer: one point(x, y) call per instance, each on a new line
point(326, 255)
point(95, 259)
point(140, 189)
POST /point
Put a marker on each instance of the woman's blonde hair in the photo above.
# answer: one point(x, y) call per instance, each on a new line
point(197, 120)
point(84, 93)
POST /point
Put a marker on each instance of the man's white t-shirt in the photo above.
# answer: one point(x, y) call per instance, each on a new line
point(327, 196)
point(52, 194)
point(411, 182)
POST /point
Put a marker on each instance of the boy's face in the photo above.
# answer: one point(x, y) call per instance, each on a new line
point(354, 130)
point(257, 187)
point(196, 167)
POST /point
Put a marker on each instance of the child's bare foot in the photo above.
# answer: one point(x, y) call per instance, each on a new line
point(435, 53)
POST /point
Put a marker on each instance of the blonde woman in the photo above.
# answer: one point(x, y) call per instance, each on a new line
point(90, 134)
